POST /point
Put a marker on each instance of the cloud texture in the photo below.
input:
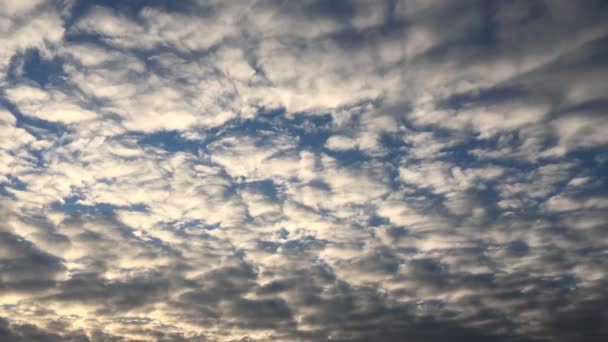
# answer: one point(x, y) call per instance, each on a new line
point(303, 170)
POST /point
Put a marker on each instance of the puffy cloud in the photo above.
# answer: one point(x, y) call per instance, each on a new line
point(49, 106)
point(340, 143)
point(27, 24)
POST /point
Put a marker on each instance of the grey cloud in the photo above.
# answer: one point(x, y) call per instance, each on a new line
point(115, 296)
point(27, 268)
point(27, 332)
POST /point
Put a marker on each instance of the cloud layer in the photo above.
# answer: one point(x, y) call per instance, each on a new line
point(303, 171)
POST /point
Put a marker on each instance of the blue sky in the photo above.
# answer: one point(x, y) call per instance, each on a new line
point(303, 170)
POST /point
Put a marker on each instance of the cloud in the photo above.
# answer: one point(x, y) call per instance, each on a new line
point(28, 24)
point(48, 106)
point(340, 143)
point(302, 171)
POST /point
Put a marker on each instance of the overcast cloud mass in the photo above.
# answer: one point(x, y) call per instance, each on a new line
point(303, 170)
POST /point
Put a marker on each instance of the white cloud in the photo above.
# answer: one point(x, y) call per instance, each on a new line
point(51, 106)
point(340, 143)
point(39, 29)
point(581, 131)
point(157, 28)
point(443, 177)
point(561, 203)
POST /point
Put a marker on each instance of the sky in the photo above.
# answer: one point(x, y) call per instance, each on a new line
point(315, 170)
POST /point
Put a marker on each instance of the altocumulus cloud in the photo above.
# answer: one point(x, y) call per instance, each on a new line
point(303, 170)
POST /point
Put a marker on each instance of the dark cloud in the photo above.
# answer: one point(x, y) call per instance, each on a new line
point(28, 332)
point(25, 267)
